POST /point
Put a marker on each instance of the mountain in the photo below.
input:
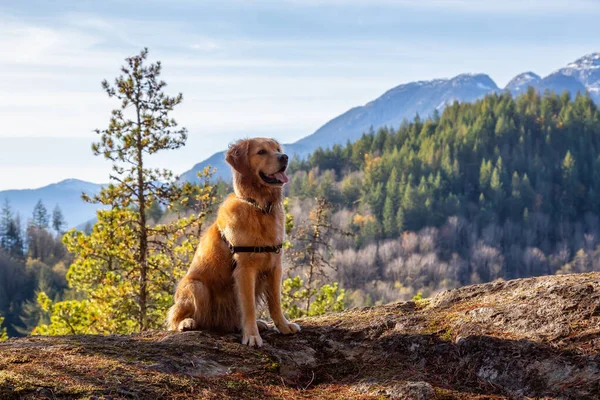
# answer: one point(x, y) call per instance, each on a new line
point(556, 82)
point(66, 194)
point(423, 98)
point(521, 82)
point(578, 76)
point(587, 71)
point(404, 101)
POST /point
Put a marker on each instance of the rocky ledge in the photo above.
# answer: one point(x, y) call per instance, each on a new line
point(526, 338)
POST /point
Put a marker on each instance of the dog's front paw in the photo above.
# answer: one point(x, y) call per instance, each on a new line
point(288, 328)
point(187, 324)
point(252, 340)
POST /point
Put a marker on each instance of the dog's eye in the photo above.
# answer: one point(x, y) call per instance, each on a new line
point(262, 152)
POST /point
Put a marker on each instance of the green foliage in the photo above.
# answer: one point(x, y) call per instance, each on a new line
point(11, 237)
point(327, 298)
point(3, 335)
point(293, 296)
point(40, 218)
point(487, 161)
point(310, 255)
point(126, 268)
point(289, 223)
point(22, 275)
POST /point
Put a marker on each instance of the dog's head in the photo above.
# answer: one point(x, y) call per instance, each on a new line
point(259, 159)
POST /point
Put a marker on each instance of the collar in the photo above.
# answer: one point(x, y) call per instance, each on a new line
point(265, 210)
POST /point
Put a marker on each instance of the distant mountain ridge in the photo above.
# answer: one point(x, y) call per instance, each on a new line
point(66, 194)
point(423, 97)
point(404, 101)
point(398, 103)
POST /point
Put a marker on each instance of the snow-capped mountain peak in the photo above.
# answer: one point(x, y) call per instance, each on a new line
point(520, 82)
point(587, 71)
point(590, 61)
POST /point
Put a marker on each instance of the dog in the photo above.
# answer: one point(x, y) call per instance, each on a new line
point(238, 262)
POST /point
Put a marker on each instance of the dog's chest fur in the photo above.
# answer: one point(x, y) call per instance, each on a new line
point(246, 225)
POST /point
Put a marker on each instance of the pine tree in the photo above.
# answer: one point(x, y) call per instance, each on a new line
point(40, 219)
point(485, 175)
point(527, 192)
point(391, 188)
point(389, 218)
point(6, 218)
point(58, 220)
point(11, 236)
point(516, 201)
point(497, 190)
point(569, 186)
point(400, 220)
point(126, 268)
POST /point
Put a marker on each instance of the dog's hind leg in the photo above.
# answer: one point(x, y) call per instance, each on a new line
point(262, 325)
point(191, 301)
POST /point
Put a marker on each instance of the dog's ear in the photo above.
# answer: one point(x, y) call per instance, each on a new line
point(237, 155)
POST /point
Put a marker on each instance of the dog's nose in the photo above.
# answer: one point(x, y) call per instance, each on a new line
point(283, 158)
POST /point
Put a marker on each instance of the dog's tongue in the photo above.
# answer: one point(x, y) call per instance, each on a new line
point(281, 177)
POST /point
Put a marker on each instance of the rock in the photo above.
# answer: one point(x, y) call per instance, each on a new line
point(527, 338)
point(411, 391)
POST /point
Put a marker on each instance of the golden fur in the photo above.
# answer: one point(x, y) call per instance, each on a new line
point(213, 295)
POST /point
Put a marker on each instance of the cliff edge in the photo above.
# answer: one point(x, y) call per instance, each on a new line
point(535, 337)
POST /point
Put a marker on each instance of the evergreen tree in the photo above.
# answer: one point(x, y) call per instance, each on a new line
point(40, 219)
point(485, 174)
point(126, 268)
point(58, 220)
point(400, 220)
point(11, 236)
point(6, 218)
point(389, 218)
point(569, 186)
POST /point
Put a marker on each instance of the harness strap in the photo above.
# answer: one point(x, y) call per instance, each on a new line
point(251, 249)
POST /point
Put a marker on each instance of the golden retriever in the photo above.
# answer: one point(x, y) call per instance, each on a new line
point(238, 260)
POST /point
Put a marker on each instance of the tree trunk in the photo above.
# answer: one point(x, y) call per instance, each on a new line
point(143, 250)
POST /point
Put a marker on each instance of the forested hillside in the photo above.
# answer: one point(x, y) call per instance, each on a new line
point(32, 259)
point(499, 188)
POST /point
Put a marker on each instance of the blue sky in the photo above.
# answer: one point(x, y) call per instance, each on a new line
point(274, 68)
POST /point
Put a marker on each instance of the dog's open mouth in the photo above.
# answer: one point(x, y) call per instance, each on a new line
point(278, 178)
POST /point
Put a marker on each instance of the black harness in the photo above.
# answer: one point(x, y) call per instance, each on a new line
point(253, 249)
